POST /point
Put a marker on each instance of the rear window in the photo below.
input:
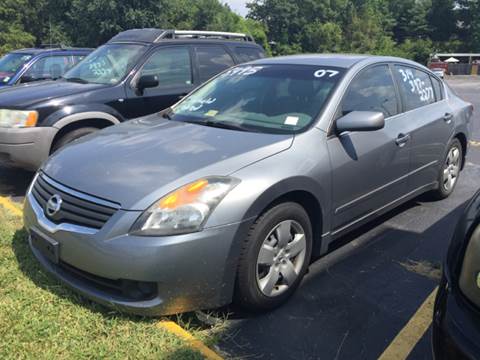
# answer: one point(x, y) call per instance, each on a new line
point(245, 54)
point(212, 60)
point(415, 86)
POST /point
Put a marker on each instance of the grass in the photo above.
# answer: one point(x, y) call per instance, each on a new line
point(42, 319)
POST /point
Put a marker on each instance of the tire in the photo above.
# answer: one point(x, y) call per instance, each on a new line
point(255, 276)
point(71, 136)
point(451, 164)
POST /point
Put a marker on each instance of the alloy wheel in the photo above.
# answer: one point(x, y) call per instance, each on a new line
point(281, 258)
point(451, 168)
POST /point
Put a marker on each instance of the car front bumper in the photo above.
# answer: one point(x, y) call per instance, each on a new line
point(456, 326)
point(190, 271)
point(26, 148)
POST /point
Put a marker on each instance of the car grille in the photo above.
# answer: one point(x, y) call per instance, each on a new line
point(75, 208)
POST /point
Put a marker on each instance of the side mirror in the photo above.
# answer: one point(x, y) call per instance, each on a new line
point(360, 121)
point(147, 81)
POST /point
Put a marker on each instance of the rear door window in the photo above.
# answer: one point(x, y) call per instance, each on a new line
point(372, 90)
point(437, 88)
point(212, 59)
point(245, 54)
point(171, 65)
point(415, 86)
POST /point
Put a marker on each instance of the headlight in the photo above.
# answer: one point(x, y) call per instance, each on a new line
point(18, 118)
point(184, 210)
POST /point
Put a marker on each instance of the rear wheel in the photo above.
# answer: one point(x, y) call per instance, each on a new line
point(274, 258)
point(450, 170)
point(71, 136)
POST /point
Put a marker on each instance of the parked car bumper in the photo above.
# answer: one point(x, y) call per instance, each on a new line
point(456, 325)
point(25, 147)
point(175, 273)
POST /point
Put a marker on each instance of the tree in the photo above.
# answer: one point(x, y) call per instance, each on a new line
point(13, 34)
point(442, 20)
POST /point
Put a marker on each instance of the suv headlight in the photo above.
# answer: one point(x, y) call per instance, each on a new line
point(17, 118)
point(470, 274)
point(186, 209)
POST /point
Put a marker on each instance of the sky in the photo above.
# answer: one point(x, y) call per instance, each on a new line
point(238, 6)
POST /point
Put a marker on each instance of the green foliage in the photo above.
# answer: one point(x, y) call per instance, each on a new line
point(408, 28)
point(93, 22)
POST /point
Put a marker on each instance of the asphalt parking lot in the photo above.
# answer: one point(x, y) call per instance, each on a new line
point(356, 300)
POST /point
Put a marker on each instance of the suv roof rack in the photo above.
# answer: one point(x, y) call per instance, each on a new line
point(150, 35)
point(52, 46)
point(198, 34)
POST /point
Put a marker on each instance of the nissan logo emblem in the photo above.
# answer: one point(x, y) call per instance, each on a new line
point(53, 205)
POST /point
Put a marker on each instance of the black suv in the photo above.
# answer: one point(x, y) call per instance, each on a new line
point(138, 72)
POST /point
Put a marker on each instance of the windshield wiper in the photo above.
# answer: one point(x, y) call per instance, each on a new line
point(166, 114)
point(220, 124)
point(77, 80)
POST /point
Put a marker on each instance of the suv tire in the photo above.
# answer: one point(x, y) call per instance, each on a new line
point(71, 136)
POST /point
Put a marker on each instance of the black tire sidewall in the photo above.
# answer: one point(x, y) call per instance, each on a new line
point(72, 136)
point(248, 295)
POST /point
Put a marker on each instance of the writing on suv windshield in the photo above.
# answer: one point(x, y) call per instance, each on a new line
point(109, 64)
point(265, 98)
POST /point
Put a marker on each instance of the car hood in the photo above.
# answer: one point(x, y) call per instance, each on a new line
point(27, 95)
point(138, 162)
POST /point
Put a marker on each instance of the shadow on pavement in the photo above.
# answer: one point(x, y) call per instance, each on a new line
point(350, 309)
point(14, 182)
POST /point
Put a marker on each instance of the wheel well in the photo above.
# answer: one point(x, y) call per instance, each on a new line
point(96, 123)
point(463, 141)
point(311, 205)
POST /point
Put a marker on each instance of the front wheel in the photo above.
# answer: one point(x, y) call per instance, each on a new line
point(71, 136)
point(450, 170)
point(274, 257)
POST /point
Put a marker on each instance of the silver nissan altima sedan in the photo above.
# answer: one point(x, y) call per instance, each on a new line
point(229, 195)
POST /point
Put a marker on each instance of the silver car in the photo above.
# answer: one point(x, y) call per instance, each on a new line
point(231, 193)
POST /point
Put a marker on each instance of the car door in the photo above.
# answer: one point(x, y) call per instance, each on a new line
point(429, 114)
point(173, 67)
point(369, 168)
point(211, 60)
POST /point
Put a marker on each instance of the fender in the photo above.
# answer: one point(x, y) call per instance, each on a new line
point(296, 183)
point(269, 195)
point(70, 114)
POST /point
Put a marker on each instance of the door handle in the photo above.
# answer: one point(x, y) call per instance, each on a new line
point(402, 139)
point(448, 118)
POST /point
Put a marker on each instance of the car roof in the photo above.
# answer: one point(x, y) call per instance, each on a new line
point(37, 51)
point(333, 60)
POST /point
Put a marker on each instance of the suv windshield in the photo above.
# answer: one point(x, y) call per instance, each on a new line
point(264, 98)
point(10, 64)
point(106, 65)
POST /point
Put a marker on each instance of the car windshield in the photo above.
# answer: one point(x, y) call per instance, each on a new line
point(108, 64)
point(262, 98)
point(10, 64)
